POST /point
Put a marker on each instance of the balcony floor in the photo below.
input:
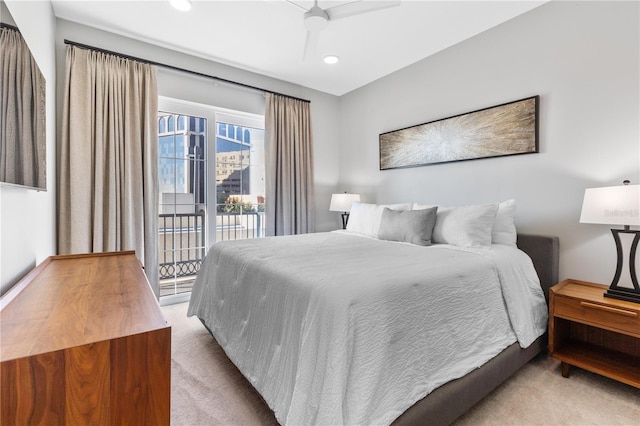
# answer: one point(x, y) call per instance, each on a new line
point(170, 286)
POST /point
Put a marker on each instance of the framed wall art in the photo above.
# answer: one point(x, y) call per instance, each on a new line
point(506, 129)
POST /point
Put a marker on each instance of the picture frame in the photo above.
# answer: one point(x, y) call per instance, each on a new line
point(498, 131)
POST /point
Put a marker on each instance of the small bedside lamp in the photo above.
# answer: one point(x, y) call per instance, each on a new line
point(342, 203)
point(617, 205)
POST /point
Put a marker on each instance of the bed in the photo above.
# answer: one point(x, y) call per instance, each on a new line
point(379, 324)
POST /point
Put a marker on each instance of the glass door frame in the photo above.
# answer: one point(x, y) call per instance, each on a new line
point(212, 115)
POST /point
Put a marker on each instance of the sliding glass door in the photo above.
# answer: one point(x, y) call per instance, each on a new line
point(211, 187)
point(240, 185)
point(182, 164)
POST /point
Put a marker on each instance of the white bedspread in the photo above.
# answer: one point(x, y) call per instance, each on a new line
point(334, 328)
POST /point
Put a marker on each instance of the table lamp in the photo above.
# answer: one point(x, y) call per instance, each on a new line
point(342, 203)
point(617, 205)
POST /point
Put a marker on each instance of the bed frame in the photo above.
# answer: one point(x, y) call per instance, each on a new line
point(451, 400)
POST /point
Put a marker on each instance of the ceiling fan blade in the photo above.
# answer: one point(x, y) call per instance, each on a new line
point(310, 43)
point(358, 7)
point(296, 5)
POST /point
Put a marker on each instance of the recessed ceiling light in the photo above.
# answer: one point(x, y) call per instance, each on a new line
point(183, 5)
point(331, 59)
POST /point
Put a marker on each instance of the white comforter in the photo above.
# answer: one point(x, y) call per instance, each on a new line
point(335, 328)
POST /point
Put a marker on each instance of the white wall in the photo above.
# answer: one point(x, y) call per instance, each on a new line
point(27, 217)
point(582, 58)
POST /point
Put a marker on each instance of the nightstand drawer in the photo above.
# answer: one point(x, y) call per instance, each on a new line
point(609, 317)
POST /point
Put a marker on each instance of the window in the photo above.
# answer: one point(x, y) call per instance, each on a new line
point(240, 185)
point(182, 161)
point(211, 184)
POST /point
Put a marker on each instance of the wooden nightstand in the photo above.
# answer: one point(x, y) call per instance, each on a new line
point(598, 334)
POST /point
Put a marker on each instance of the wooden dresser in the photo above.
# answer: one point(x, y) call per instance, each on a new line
point(83, 341)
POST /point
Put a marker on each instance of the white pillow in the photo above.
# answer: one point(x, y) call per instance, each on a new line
point(504, 225)
point(364, 218)
point(466, 226)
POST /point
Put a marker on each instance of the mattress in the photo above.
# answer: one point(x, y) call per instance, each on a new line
point(336, 328)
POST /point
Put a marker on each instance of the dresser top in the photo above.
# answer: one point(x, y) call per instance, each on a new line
point(73, 300)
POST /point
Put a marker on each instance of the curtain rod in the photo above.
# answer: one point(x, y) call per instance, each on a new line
point(11, 27)
point(146, 61)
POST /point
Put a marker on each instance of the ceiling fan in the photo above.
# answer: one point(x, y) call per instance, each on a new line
point(316, 18)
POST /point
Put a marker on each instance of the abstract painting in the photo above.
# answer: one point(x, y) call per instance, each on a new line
point(506, 129)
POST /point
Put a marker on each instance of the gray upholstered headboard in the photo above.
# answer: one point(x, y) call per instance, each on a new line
point(544, 252)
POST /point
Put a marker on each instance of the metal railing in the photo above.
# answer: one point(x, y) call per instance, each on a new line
point(181, 243)
point(239, 226)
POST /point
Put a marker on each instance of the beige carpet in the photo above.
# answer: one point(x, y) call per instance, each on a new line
point(208, 390)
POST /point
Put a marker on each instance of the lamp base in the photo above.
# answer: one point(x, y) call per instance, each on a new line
point(345, 220)
point(623, 294)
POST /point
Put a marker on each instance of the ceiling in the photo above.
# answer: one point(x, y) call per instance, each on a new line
point(268, 36)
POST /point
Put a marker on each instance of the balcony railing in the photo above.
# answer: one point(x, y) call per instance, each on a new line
point(183, 243)
point(239, 226)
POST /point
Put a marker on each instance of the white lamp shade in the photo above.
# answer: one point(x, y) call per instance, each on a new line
point(342, 202)
point(613, 205)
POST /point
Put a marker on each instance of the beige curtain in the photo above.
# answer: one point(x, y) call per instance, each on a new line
point(107, 195)
point(289, 166)
point(22, 114)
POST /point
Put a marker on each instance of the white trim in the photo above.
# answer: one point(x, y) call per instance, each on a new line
point(173, 299)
